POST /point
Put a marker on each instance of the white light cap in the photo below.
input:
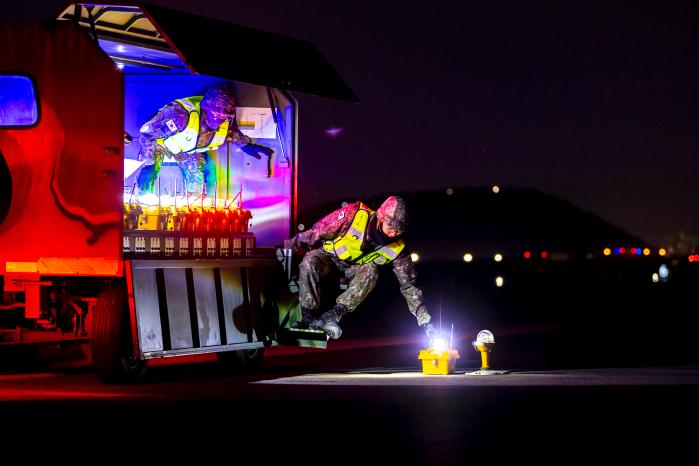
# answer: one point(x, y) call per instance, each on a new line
point(485, 336)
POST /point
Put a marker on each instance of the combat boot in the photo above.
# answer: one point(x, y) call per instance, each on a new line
point(305, 321)
point(328, 321)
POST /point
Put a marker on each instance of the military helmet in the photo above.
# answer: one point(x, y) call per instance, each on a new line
point(394, 213)
point(219, 99)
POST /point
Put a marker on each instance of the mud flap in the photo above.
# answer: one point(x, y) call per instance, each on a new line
point(290, 312)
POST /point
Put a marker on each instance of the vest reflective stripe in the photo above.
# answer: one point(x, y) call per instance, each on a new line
point(186, 140)
point(348, 246)
point(384, 254)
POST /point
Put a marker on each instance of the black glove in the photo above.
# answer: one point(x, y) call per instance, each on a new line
point(257, 151)
point(431, 331)
point(146, 178)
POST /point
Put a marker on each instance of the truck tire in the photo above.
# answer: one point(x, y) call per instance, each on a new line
point(113, 356)
point(241, 361)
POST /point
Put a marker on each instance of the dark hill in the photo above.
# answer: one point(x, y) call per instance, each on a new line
point(476, 220)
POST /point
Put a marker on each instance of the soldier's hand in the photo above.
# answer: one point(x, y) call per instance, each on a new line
point(145, 154)
point(431, 331)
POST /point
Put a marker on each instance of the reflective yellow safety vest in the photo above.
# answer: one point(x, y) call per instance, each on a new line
point(186, 140)
point(348, 247)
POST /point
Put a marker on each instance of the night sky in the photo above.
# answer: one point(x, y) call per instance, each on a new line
point(593, 103)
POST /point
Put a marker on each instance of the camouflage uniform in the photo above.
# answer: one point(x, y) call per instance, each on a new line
point(171, 119)
point(318, 263)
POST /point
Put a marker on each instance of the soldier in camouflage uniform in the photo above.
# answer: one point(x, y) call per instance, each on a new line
point(187, 129)
point(356, 240)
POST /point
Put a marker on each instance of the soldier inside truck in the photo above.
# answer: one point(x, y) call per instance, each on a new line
point(188, 129)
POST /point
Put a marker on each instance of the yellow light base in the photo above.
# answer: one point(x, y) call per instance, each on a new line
point(438, 362)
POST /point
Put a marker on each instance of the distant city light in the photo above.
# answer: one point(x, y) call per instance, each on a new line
point(544, 254)
point(527, 254)
point(693, 258)
point(646, 251)
point(607, 251)
point(622, 250)
point(414, 257)
point(450, 191)
point(497, 257)
point(496, 189)
point(633, 250)
point(662, 251)
point(655, 278)
point(499, 281)
point(468, 257)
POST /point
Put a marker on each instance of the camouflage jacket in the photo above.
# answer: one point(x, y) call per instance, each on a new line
point(336, 224)
point(161, 126)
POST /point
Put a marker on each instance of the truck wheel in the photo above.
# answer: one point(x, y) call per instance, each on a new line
point(113, 355)
point(247, 360)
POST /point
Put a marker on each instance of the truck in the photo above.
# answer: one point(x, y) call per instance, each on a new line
point(88, 259)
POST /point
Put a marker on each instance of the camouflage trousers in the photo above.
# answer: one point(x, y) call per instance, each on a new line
point(317, 264)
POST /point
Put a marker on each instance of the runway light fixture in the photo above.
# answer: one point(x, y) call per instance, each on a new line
point(484, 344)
point(468, 257)
point(662, 251)
point(496, 189)
point(414, 257)
point(499, 281)
point(527, 255)
point(655, 277)
point(606, 251)
point(497, 257)
point(544, 254)
point(439, 358)
point(646, 251)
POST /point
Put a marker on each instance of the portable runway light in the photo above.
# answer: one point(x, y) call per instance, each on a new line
point(484, 344)
point(439, 359)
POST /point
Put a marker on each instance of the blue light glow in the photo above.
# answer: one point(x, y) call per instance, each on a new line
point(18, 106)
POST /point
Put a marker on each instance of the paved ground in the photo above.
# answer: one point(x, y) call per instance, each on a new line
point(336, 407)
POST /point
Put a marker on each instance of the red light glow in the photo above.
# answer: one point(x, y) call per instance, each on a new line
point(527, 254)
